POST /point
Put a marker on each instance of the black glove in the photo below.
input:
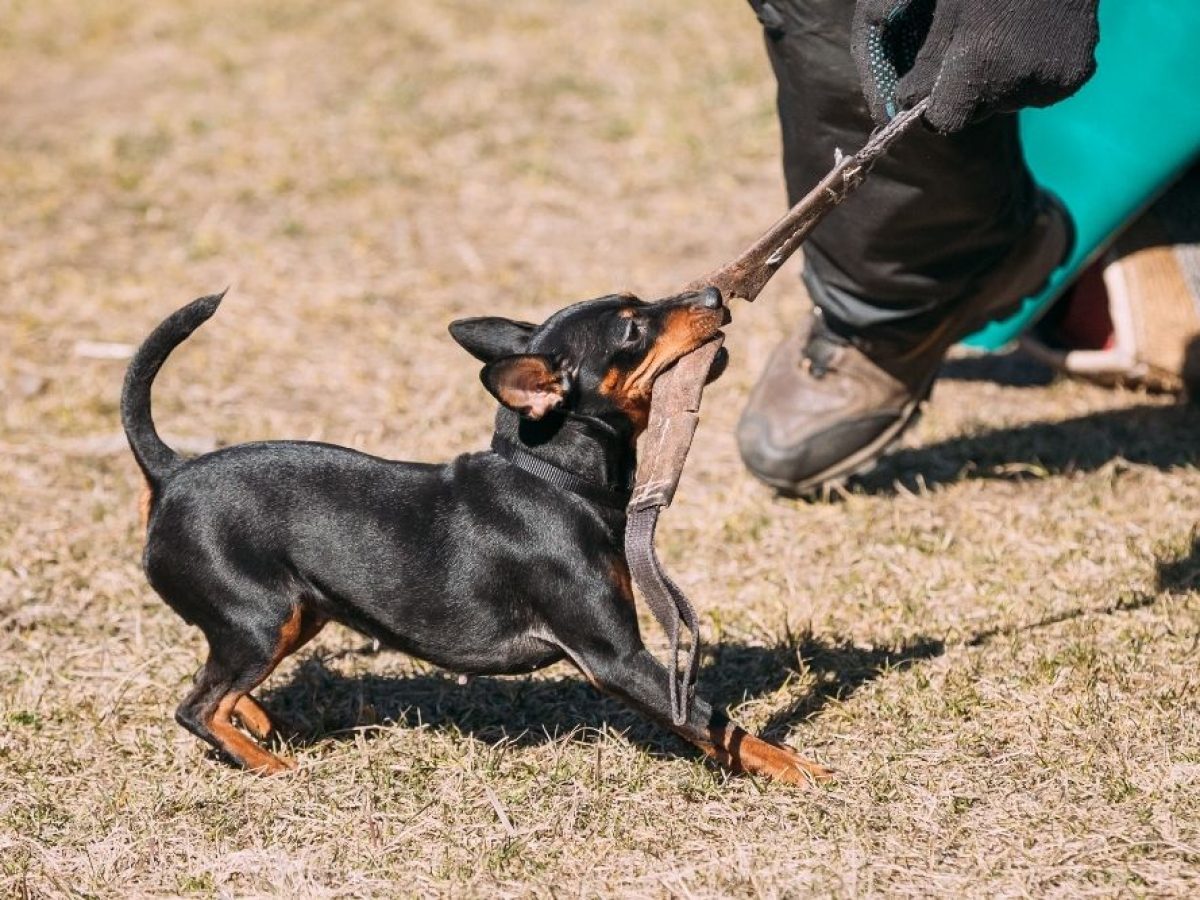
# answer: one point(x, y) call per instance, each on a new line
point(972, 58)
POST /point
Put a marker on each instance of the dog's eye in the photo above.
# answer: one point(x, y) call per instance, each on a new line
point(633, 332)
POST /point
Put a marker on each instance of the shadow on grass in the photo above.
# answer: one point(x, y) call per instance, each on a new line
point(1181, 573)
point(320, 704)
point(1124, 604)
point(1015, 369)
point(1159, 436)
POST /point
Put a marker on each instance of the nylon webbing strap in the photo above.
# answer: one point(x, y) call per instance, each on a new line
point(605, 495)
point(675, 404)
point(674, 415)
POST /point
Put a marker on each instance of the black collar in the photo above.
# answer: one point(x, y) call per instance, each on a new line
point(608, 495)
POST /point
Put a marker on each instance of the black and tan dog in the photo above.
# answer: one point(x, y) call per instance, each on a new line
point(498, 562)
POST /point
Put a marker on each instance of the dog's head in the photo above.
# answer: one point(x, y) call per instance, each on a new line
point(598, 358)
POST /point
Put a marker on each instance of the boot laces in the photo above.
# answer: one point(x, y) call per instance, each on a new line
point(822, 347)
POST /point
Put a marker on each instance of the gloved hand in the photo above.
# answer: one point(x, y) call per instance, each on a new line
point(971, 57)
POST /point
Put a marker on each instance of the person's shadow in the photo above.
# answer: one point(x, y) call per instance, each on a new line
point(1151, 434)
point(1182, 573)
point(1161, 436)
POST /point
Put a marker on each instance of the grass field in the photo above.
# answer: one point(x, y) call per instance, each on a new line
point(993, 637)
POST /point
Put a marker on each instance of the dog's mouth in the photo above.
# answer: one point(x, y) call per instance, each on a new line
point(685, 329)
point(702, 325)
point(719, 365)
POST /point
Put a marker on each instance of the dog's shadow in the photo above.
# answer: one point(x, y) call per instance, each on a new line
point(319, 703)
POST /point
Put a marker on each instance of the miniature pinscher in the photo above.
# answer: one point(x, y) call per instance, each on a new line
point(498, 562)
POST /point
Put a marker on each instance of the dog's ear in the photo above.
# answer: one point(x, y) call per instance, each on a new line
point(528, 383)
point(489, 338)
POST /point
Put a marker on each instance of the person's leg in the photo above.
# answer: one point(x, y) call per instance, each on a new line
point(946, 233)
point(936, 211)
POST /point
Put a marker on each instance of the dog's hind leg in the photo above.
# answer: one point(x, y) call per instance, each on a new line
point(248, 711)
point(207, 710)
point(238, 662)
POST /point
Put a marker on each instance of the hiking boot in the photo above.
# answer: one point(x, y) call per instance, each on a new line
point(830, 400)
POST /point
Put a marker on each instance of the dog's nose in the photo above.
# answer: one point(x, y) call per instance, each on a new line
point(710, 298)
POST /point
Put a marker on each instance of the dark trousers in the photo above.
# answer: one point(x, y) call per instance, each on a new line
point(936, 211)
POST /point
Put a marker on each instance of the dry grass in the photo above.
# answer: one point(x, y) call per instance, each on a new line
point(993, 638)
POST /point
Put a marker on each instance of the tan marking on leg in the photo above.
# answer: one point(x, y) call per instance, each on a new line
point(301, 625)
point(310, 626)
point(289, 637)
point(253, 717)
point(145, 503)
point(621, 579)
point(240, 747)
point(740, 751)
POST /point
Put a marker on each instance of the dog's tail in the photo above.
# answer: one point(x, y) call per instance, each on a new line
point(155, 458)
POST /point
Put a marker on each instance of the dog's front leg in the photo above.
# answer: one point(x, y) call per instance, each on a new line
point(642, 681)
